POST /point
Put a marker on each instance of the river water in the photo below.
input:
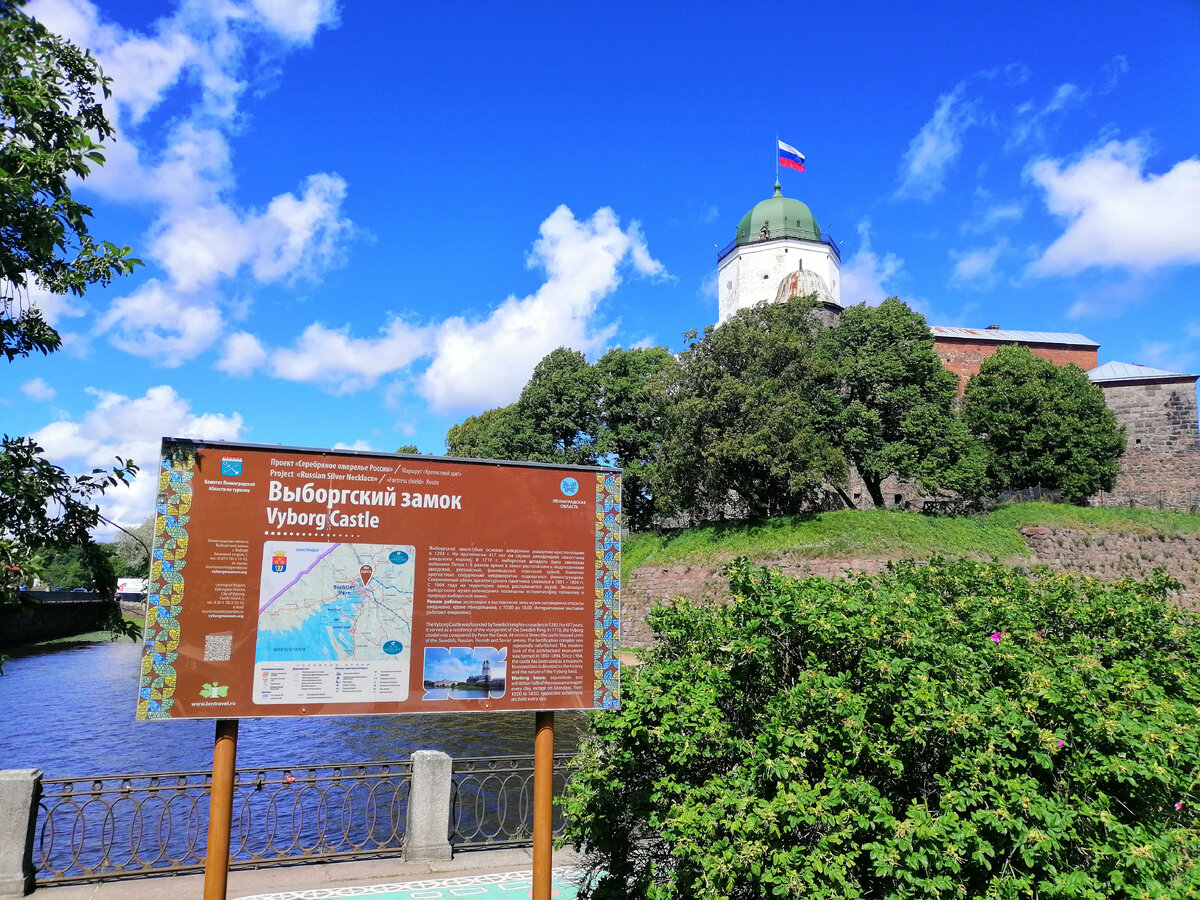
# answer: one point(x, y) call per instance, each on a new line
point(69, 711)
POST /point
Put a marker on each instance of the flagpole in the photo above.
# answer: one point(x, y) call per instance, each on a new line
point(777, 156)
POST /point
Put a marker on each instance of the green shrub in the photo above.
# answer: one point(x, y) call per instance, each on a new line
point(956, 730)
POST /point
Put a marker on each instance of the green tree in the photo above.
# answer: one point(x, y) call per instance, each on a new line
point(888, 403)
point(950, 731)
point(132, 548)
point(559, 410)
point(52, 123)
point(633, 410)
point(1043, 425)
point(741, 429)
point(495, 434)
point(556, 419)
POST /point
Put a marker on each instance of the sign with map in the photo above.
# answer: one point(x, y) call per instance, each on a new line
point(311, 582)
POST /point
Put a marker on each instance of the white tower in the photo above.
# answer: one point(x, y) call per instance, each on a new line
point(778, 252)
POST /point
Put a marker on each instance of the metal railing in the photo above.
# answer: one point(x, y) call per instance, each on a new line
point(491, 800)
point(118, 826)
point(121, 825)
point(774, 234)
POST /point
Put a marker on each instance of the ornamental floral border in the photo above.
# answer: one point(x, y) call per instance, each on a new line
point(156, 687)
point(607, 690)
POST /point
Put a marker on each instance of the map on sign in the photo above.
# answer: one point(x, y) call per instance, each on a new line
point(334, 622)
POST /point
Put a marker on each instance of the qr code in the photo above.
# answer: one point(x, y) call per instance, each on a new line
point(217, 647)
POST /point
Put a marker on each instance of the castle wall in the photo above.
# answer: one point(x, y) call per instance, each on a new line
point(751, 273)
point(964, 358)
point(1161, 465)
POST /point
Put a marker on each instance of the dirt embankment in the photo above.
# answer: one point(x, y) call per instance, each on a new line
point(1108, 556)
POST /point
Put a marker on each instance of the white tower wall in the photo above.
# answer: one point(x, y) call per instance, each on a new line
point(752, 272)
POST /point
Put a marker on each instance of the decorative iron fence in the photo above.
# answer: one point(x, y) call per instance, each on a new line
point(491, 800)
point(121, 825)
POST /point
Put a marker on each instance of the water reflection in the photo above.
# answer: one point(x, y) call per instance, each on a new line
point(69, 711)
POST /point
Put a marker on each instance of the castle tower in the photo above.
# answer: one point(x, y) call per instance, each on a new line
point(487, 670)
point(778, 252)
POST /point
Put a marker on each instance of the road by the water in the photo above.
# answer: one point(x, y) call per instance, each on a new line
point(69, 711)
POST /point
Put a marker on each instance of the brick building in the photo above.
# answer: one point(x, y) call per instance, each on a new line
point(962, 350)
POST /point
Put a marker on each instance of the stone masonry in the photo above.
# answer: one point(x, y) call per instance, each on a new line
point(1108, 556)
point(1161, 465)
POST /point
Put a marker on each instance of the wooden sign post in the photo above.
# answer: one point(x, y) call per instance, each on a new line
point(543, 803)
point(220, 810)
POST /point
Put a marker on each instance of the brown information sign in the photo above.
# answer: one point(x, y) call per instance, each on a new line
point(291, 582)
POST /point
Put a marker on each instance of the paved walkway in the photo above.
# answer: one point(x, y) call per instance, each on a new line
point(481, 874)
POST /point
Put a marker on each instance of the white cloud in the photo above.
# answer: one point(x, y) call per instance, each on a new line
point(360, 444)
point(476, 363)
point(295, 237)
point(299, 236)
point(936, 146)
point(341, 363)
point(131, 428)
point(977, 267)
point(243, 354)
point(205, 53)
point(296, 20)
point(995, 215)
point(1033, 121)
point(865, 273)
point(1118, 216)
point(38, 389)
point(480, 364)
point(157, 322)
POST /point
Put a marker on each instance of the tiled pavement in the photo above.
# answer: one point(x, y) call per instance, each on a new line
point(483, 874)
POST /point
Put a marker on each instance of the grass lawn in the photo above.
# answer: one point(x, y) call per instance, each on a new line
point(847, 534)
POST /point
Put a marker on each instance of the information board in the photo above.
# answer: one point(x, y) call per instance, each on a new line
point(291, 582)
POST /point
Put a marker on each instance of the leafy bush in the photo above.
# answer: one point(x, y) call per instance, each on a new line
point(956, 730)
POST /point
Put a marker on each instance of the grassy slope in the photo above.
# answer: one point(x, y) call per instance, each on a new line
point(853, 533)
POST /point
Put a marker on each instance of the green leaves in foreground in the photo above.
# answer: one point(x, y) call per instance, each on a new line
point(955, 731)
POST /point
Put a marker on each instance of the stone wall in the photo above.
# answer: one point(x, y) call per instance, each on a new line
point(1161, 466)
point(1105, 555)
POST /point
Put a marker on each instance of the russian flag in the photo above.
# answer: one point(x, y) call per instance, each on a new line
point(790, 157)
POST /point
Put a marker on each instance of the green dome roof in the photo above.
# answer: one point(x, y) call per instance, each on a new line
point(778, 216)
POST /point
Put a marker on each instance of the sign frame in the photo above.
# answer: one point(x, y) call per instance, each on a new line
point(209, 492)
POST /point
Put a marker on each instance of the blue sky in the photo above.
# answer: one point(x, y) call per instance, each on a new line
point(363, 222)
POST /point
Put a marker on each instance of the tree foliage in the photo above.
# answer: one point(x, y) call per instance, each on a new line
point(132, 548)
point(52, 123)
point(633, 412)
point(951, 731)
point(1043, 425)
point(888, 402)
point(742, 431)
point(44, 511)
point(558, 412)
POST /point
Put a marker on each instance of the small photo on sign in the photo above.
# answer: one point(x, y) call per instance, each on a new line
point(465, 673)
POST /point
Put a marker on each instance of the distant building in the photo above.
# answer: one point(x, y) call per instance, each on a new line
point(963, 350)
point(779, 252)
